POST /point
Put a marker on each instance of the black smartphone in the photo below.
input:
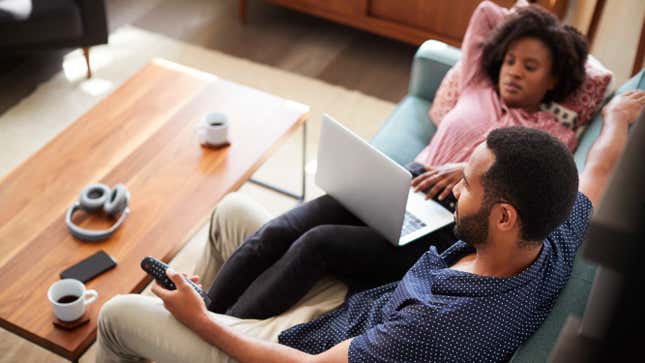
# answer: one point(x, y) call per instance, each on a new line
point(90, 267)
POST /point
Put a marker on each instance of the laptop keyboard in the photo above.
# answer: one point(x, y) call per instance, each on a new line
point(411, 224)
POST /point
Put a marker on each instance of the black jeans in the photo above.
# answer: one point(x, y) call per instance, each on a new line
point(280, 262)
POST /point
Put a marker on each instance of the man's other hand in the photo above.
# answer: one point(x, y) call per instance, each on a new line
point(184, 303)
point(625, 108)
point(603, 156)
point(438, 180)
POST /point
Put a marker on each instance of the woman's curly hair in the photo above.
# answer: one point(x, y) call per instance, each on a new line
point(567, 46)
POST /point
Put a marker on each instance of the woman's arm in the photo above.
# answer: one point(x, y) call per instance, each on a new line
point(485, 18)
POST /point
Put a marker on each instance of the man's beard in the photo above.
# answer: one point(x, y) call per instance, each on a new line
point(473, 229)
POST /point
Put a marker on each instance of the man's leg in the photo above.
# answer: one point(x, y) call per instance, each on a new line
point(354, 253)
point(233, 220)
point(266, 246)
point(132, 327)
point(136, 328)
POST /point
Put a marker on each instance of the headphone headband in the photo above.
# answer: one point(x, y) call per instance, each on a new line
point(93, 198)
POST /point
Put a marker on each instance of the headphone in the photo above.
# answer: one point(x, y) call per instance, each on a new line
point(93, 199)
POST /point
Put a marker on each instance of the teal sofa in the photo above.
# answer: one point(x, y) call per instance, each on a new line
point(408, 130)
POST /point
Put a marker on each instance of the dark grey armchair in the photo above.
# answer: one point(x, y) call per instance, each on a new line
point(55, 24)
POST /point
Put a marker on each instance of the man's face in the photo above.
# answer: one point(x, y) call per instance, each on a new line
point(471, 216)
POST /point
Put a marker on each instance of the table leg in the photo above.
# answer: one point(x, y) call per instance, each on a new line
point(300, 198)
point(86, 54)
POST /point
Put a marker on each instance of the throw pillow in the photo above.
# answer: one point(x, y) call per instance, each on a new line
point(446, 96)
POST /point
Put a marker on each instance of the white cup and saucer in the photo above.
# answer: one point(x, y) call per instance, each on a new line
point(212, 130)
point(69, 299)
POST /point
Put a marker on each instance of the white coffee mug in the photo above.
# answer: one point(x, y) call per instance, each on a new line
point(69, 299)
point(212, 129)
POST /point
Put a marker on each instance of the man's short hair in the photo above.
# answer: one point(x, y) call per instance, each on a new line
point(534, 172)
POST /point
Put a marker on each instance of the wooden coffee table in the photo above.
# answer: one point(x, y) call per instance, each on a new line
point(142, 136)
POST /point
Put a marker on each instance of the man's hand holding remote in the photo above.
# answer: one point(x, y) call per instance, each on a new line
point(184, 303)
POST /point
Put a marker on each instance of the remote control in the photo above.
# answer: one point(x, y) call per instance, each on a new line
point(157, 269)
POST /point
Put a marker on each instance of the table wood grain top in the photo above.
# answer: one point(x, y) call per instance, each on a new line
point(141, 135)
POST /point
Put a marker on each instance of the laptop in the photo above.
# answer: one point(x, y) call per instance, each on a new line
point(374, 187)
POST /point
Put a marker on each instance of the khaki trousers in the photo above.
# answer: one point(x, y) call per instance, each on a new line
point(136, 328)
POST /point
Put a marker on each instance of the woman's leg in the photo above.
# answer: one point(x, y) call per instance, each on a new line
point(356, 253)
point(268, 244)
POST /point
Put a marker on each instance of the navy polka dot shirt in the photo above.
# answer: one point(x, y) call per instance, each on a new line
point(438, 314)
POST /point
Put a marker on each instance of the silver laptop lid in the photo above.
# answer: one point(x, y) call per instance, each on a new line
point(362, 179)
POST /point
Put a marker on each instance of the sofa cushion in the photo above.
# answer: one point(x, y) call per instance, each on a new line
point(406, 132)
point(572, 300)
point(590, 96)
point(447, 94)
point(6, 17)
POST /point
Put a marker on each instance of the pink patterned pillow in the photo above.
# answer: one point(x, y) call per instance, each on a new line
point(447, 94)
point(589, 96)
point(584, 101)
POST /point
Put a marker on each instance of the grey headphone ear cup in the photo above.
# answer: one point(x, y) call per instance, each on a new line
point(93, 197)
point(117, 200)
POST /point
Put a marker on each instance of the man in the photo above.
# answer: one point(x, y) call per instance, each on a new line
point(521, 221)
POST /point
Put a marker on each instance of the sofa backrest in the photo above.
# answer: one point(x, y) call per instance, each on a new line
point(431, 62)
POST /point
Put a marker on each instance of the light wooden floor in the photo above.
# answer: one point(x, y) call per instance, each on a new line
point(274, 36)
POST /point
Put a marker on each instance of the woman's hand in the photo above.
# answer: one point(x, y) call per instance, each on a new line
point(441, 178)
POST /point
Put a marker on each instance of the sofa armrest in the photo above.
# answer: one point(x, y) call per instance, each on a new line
point(431, 62)
point(406, 132)
point(586, 141)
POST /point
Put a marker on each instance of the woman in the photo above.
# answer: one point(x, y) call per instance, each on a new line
point(508, 71)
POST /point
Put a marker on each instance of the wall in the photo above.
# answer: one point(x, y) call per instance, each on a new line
point(617, 35)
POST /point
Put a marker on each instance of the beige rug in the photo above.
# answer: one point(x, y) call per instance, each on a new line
point(55, 104)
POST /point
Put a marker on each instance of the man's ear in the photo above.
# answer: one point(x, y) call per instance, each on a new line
point(507, 217)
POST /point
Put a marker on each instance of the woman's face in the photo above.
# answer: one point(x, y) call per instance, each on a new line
point(525, 76)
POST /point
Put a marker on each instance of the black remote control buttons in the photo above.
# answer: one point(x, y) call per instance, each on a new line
point(157, 270)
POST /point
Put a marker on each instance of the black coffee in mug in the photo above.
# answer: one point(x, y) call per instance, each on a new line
point(67, 299)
